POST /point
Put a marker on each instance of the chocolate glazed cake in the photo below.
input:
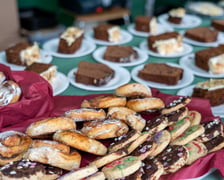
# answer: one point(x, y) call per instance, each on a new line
point(121, 54)
point(95, 74)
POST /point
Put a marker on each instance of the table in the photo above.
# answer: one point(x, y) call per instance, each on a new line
point(65, 65)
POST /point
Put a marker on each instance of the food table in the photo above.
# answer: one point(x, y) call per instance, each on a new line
point(65, 65)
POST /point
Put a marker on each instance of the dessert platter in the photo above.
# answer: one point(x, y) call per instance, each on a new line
point(51, 46)
point(187, 78)
point(186, 49)
point(142, 56)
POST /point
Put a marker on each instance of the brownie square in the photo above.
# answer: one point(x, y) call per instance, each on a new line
point(218, 24)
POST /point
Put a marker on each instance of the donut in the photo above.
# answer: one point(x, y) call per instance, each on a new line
point(133, 90)
point(86, 114)
point(48, 126)
point(196, 150)
point(49, 143)
point(2, 77)
point(215, 144)
point(122, 167)
point(10, 92)
point(54, 157)
point(152, 169)
point(173, 158)
point(105, 101)
point(162, 140)
point(130, 117)
point(145, 104)
point(108, 128)
point(190, 134)
point(194, 117)
point(212, 129)
point(79, 141)
point(178, 128)
point(79, 173)
point(176, 104)
point(108, 158)
point(12, 145)
point(124, 140)
point(26, 169)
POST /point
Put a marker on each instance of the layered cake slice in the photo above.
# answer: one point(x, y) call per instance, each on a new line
point(95, 74)
point(121, 54)
point(146, 24)
point(212, 89)
point(161, 73)
point(47, 71)
point(166, 43)
point(202, 34)
point(70, 40)
point(107, 32)
point(211, 59)
point(23, 54)
point(176, 15)
point(218, 24)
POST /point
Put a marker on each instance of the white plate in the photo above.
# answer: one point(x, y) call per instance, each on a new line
point(188, 62)
point(161, 28)
point(188, 21)
point(186, 80)
point(52, 45)
point(59, 83)
point(45, 58)
point(125, 38)
point(216, 110)
point(203, 176)
point(186, 49)
point(98, 56)
point(122, 76)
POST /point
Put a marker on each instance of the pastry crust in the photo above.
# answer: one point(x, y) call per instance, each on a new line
point(79, 141)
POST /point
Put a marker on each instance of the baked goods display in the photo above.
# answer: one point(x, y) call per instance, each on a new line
point(107, 32)
point(95, 74)
point(70, 40)
point(146, 24)
point(202, 34)
point(212, 89)
point(176, 15)
point(23, 54)
point(120, 54)
point(166, 43)
point(218, 24)
point(161, 73)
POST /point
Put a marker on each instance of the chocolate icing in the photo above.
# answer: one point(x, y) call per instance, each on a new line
point(154, 122)
point(143, 148)
point(211, 127)
point(214, 142)
point(181, 100)
point(149, 168)
point(174, 115)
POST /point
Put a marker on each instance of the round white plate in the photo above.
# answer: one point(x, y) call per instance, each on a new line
point(125, 38)
point(186, 79)
point(161, 28)
point(188, 62)
point(203, 176)
point(52, 45)
point(45, 58)
point(122, 76)
point(186, 49)
point(216, 110)
point(59, 83)
point(188, 21)
point(98, 56)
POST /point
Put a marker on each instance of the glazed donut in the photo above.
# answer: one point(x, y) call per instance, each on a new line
point(79, 141)
point(146, 104)
point(176, 104)
point(105, 129)
point(86, 114)
point(104, 102)
point(41, 143)
point(54, 157)
point(2, 77)
point(13, 143)
point(50, 125)
point(10, 92)
point(133, 90)
point(130, 117)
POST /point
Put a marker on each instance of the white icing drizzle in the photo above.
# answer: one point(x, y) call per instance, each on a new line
point(114, 34)
point(211, 84)
point(71, 34)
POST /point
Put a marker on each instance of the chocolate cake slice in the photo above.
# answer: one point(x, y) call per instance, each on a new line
point(218, 24)
point(161, 73)
point(95, 74)
point(202, 34)
point(121, 54)
point(146, 24)
point(176, 15)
